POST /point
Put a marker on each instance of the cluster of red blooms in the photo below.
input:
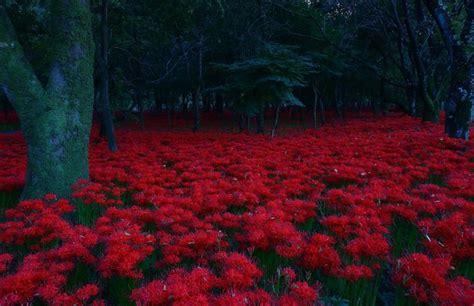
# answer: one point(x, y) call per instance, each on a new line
point(185, 215)
point(235, 279)
point(49, 248)
point(426, 279)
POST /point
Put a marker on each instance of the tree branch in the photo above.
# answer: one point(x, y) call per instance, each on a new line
point(17, 77)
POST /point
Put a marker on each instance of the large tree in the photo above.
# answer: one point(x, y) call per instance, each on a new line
point(458, 106)
point(55, 117)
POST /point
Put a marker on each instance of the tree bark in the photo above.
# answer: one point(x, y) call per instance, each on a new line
point(106, 112)
point(158, 101)
point(260, 121)
point(338, 99)
point(275, 119)
point(472, 91)
point(383, 107)
point(55, 120)
point(411, 97)
point(241, 122)
point(459, 105)
point(410, 90)
point(430, 112)
point(219, 104)
point(322, 119)
point(137, 105)
point(169, 113)
point(315, 106)
point(198, 94)
point(196, 110)
point(184, 103)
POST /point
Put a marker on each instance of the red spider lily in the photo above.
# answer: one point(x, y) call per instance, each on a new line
point(324, 202)
point(425, 279)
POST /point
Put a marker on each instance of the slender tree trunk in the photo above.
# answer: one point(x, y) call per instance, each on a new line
point(322, 119)
point(382, 97)
point(219, 104)
point(411, 97)
point(158, 102)
point(105, 101)
point(196, 110)
point(430, 112)
point(472, 91)
point(275, 119)
point(198, 94)
point(55, 120)
point(241, 122)
point(315, 106)
point(98, 109)
point(343, 99)
point(410, 91)
point(184, 100)
point(206, 103)
point(260, 122)
point(137, 97)
point(337, 99)
point(169, 114)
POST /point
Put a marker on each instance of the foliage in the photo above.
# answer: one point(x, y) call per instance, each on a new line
point(266, 79)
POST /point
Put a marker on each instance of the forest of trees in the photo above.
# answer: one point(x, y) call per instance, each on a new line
point(237, 152)
point(214, 55)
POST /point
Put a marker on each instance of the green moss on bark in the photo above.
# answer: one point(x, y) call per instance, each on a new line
point(56, 121)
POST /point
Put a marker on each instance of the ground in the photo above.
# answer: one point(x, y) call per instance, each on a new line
point(366, 211)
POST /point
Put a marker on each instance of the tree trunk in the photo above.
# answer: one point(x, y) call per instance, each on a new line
point(106, 112)
point(169, 114)
point(472, 91)
point(260, 121)
point(139, 103)
point(198, 95)
point(97, 109)
point(322, 119)
point(158, 102)
point(459, 105)
point(410, 91)
point(55, 120)
point(411, 97)
point(382, 97)
point(57, 157)
point(241, 122)
point(315, 106)
point(275, 120)
point(337, 99)
point(219, 104)
point(430, 112)
point(196, 110)
point(185, 103)
point(206, 103)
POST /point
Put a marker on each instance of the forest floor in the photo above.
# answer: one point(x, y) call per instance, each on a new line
point(364, 211)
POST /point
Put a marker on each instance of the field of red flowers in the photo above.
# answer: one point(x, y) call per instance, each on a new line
point(363, 212)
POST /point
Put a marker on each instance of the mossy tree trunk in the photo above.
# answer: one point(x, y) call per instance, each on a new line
point(55, 119)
